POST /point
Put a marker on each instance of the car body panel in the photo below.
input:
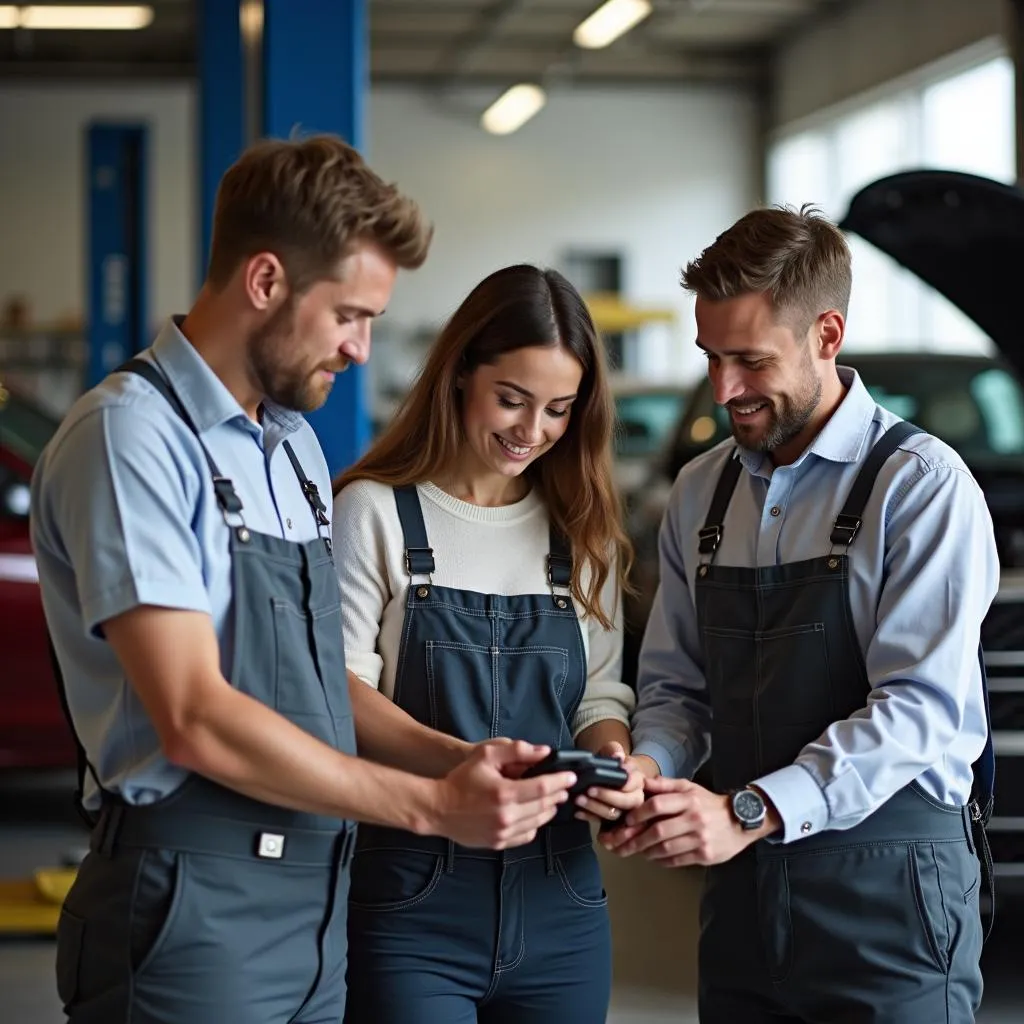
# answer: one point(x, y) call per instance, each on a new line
point(33, 730)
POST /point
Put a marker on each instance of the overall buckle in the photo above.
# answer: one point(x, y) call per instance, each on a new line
point(710, 538)
point(845, 529)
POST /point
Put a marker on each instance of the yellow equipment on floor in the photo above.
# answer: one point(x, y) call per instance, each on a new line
point(32, 906)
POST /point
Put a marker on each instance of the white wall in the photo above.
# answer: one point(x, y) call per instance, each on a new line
point(654, 174)
point(42, 191)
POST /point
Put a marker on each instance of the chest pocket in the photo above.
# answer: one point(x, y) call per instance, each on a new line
point(478, 692)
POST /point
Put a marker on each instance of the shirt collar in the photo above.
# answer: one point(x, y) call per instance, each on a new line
point(842, 438)
point(206, 399)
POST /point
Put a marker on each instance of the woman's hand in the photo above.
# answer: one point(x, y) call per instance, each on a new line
point(604, 805)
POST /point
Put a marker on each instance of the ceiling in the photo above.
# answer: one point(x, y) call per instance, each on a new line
point(446, 43)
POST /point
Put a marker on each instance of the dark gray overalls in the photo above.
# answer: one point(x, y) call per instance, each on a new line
point(208, 907)
point(879, 924)
point(441, 933)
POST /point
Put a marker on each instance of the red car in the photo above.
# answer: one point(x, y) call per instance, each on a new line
point(33, 732)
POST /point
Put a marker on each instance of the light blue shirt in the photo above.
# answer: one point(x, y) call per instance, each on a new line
point(124, 514)
point(923, 572)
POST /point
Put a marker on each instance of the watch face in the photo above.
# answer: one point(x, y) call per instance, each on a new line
point(747, 805)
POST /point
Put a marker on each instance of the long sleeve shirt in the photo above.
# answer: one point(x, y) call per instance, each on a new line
point(923, 572)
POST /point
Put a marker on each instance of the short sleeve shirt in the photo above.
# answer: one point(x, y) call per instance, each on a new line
point(124, 514)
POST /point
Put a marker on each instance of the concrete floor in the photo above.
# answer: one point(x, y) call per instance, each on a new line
point(654, 915)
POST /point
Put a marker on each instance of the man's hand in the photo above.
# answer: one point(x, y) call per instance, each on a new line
point(601, 805)
point(483, 802)
point(681, 824)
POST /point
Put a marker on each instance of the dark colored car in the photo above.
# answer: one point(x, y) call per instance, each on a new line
point(646, 411)
point(964, 236)
point(33, 732)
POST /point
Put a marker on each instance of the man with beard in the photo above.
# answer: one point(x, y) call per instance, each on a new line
point(824, 576)
point(185, 560)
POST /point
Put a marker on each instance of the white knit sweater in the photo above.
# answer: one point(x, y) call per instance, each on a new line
point(490, 550)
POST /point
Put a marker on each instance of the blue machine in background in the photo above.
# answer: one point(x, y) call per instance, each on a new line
point(118, 325)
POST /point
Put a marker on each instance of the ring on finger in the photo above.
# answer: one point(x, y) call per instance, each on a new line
point(613, 812)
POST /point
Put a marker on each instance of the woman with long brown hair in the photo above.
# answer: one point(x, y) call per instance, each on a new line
point(481, 568)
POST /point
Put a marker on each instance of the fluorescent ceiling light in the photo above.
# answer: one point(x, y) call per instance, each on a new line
point(609, 21)
point(38, 16)
point(513, 109)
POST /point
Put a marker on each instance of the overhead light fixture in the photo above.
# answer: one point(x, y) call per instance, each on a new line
point(109, 16)
point(609, 21)
point(513, 108)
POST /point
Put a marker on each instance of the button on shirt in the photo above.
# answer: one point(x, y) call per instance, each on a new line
point(124, 514)
point(923, 572)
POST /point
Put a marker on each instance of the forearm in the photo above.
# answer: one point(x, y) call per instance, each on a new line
point(387, 734)
point(925, 712)
point(672, 721)
point(246, 746)
point(858, 763)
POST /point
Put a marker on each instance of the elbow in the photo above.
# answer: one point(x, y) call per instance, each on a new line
point(185, 742)
point(181, 748)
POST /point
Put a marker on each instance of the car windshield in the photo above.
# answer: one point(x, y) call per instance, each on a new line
point(975, 406)
point(24, 428)
point(645, 420)
point(977, 409)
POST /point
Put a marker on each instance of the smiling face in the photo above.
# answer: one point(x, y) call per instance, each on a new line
point(311, 337)
point(517, 408)
point(761, 372)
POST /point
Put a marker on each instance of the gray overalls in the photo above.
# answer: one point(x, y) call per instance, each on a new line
point(208, 907)
point(879, 924)
point(440, 932)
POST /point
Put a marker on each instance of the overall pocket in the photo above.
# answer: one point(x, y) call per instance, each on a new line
point(393, 880)
point(477, 692)
point(580, 874)
point(751, 676)
point(877, 903)
point(70, 938)
point(297, 689)
point(158, 895)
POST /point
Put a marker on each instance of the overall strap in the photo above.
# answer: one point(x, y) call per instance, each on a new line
point(983, 800)
point(559, 559)
point(419, 555)
point(559, 568)
point(227, 498)
point(983, 791)
point(311, 493)
point(711, 533)
point(848, 521)
point(83, 763)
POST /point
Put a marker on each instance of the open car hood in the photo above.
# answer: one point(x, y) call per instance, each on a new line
point(959, 233)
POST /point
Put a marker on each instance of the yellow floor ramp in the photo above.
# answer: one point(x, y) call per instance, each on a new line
point(31, 906)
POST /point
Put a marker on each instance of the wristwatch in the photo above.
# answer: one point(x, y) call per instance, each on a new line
point(748, 807)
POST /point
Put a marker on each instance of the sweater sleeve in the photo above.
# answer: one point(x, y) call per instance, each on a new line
point(360, 558)
point(605, 696)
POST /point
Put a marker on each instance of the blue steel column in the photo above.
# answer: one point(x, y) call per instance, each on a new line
point(315, 79)
point(117, 246)
point(222, 107)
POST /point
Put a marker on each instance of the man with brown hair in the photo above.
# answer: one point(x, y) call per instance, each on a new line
point(816, 633)
point(185, 560)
